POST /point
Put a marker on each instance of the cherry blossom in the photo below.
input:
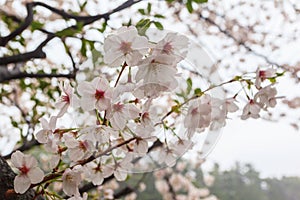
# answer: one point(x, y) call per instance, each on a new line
point(71, 179)
point(125, 45)
point(96, 94)
point(119, 113)
point(29, 172)
point(174, 45)
point(47, 128)
point(251, 109)
point(158, 69)
point(199, 115)
point(96, 172)
point(265, 97)
point(68, 98)
point(262, 75)
point(78, 149)
point(122, 167)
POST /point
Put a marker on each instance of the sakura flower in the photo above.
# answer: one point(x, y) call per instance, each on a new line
point(265, 97)
point(29, 172)
point(71, 179)
point(96, 94)
point(251, 109)
point(96, 172)
point(199, 115)
point(157, 69)
point(167, 156)
point(173, 45)
point(125, 45)
point(47, 128)
point(262, 75)
point(119, 113)
point(68, 98)
point(162, 186)
point(122, 167)
point(144, 134)
point(230, 105)
point(78, 149)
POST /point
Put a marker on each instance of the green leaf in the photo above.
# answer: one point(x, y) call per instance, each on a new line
point(189, 6)
point(158, 25)
point(201, 1)
point(149, 8)
point(198, 92)
point(66, 32)
point(83, 5)
point(142, 11)
point(143, 25)
point(83, 47)
point(189, 85)
point(272, 80)
point(35, 25)
point(103, 27)
point(159, 16)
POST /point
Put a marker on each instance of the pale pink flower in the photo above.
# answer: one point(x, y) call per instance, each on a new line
point(68, 98)
point(162, 186)
point(125, 45)
point(131, 196)
point(122, 167)
point(158, 69)
point(48, 128)
point(173, 45)
point(78, 149)
point(251, 109)
point(209, 180)
point(96, 172)
point(168, 156)
point(29, 172)
point(199, 115)
point(230, 105)
point(71, 179)
point(144, 134)
point(119, 113)
point(265, 97)
point(176, 181)
point(262, 75)
point(96, 94)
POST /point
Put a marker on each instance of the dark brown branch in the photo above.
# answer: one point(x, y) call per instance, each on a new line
point(21, 75)
point(37, 53)
point(21, 28)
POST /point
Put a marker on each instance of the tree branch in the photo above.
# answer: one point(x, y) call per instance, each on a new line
point(21, 75)
point(239, 42)
point(38, 52)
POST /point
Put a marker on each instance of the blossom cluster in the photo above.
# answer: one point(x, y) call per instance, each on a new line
point(130, 112)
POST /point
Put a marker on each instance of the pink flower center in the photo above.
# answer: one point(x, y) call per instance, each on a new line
point(262, 74)
point(83, 145)
point(167, 48)
point(118, 107)
point(194, 111)
point(125, 47)
point(99, 94)
point(24, 169)
point(65, 98)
